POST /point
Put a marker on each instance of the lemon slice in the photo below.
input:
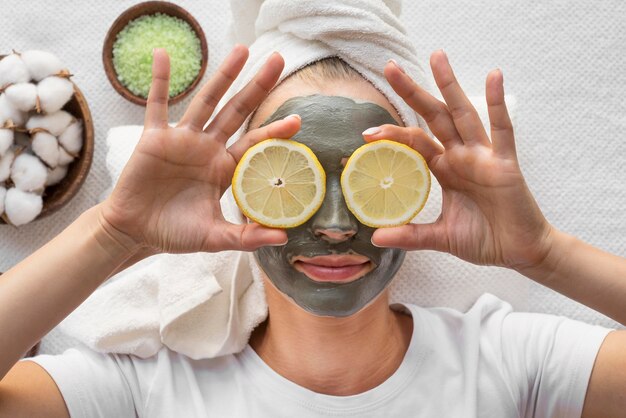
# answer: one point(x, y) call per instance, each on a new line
point(385, 183)
point(279, 183)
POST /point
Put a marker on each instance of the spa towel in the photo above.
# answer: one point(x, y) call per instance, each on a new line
point(206, 305)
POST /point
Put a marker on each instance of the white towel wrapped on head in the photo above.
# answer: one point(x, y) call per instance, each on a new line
point(206, 305)
point(364, 33)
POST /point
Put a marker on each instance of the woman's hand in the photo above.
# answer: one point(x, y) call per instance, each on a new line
point(488, 214)
point(167, 197)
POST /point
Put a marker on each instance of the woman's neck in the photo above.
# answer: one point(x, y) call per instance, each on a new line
point(334, 356)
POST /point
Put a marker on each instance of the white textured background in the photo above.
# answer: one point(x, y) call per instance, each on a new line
point(564, 61)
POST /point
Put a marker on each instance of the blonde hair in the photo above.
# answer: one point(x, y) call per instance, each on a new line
point(331, 68)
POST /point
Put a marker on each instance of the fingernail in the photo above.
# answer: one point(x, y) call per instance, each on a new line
point(294, 115)
point(443, 53)
point(371, 131)
point(394, 62)
point(374, 244)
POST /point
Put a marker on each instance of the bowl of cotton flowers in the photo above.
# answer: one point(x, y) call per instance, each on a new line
point(46, 136)
point(131, 39)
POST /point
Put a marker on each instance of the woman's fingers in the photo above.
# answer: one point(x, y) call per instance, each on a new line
point(230, 118)
point(502, 135)
point(282, 129)
point(434, 112)
point(465, 117)
point(156, 108)
point(247, 237)
point(204, 103)
point(412, 136)
point(412, 237)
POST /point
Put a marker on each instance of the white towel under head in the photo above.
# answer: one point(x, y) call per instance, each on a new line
point(206, 305)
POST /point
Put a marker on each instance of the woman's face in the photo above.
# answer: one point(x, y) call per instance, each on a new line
point(329, 266)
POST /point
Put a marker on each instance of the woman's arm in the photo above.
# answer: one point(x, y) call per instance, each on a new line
point(166, 201)
point(584, 273)
point(47, 286)
point(489, 216)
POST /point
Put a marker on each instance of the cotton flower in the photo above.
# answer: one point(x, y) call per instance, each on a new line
point(56, 175)
point(29, 173)
point(22, 207)
point(10, 114)
point(72, 138)
point(3, 193)
point(55, 123)
point(65, 157)
point(5, 164)
point(13, 70)
point(22, 96)
point(54, 93)
point(41, 64)
point(46, 147)
point(7, 136)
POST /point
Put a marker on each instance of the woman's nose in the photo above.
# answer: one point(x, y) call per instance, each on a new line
point(333, 222)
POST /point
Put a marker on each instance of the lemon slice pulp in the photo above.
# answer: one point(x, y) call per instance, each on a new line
point(279, 183)
point(385, 183)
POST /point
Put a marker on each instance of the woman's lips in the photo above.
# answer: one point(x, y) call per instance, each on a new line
point(333, 268)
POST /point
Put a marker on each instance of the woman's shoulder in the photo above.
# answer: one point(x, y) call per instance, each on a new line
point(131, 367)
point(486, 306)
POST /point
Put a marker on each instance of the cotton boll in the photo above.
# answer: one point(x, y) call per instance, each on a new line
point(3, 193)
point(56, 175)
point(28, 173)
point(54, 92)
point(65, 157)
point(55, 123)
point(46, 147)
point(72, 138)
point(5, 164)
point(7, 136)
point(13, 70)
point(10, 113)
point(41, 64)
point(22, 207)
point(22, 96)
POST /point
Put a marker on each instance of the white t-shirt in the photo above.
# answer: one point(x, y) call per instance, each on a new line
point(487, 362)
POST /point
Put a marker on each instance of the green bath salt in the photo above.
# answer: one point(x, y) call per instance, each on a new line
point(132, 52)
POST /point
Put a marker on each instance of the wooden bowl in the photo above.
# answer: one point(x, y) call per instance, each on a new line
point(57, 196)
point(149, 8)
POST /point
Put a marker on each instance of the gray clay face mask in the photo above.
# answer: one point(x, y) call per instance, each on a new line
point(329, 266)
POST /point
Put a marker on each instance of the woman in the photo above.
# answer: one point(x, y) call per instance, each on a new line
point(361, 359)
